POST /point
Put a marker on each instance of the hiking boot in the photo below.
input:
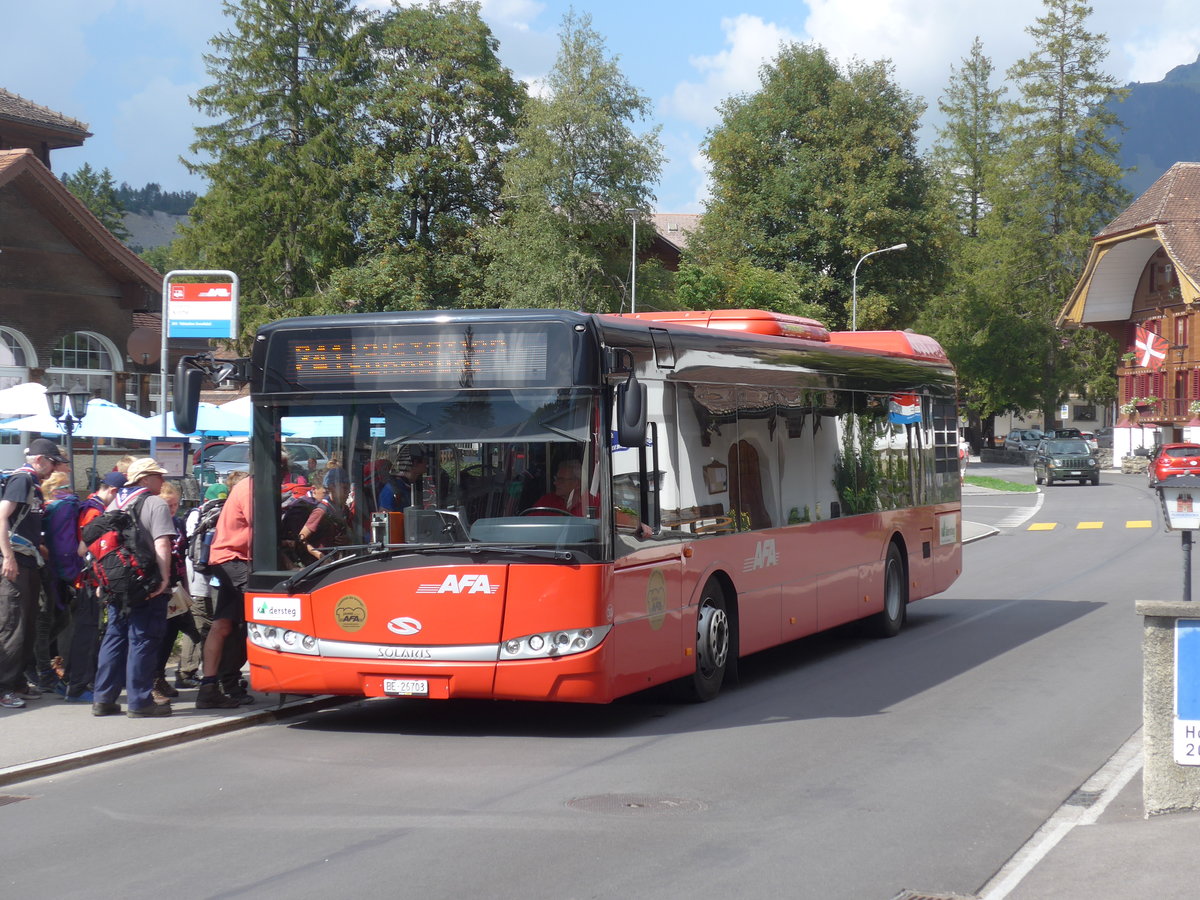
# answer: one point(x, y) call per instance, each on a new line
point(29, 692)
point(210, 697)
point(85, 697)
point(243, 697)
point(160, 685)
point(186, 681)
point(102, 708)
point(9, 700)
point(152, 711)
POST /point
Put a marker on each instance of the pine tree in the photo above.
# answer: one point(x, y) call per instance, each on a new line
point(969, 138)
point(98, 193)
point(1057, 184)
point(286, 92)
point(577, 168)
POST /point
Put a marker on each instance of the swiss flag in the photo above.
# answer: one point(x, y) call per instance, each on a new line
point(1151, 349)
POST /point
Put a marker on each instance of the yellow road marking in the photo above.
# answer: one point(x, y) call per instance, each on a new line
point(1043, 526)
point(1083, 526)
point(1138, 523)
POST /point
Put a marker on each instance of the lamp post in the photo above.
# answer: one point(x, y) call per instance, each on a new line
point(68, 407)
point(633, 264)
point(854, 282)
point(1179, 496)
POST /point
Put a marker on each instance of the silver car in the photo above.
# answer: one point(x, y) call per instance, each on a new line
point(1022, 439)
point(236, 458)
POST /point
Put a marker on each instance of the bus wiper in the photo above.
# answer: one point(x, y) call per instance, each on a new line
point(336, 560)
point(563, 555)
point(339, 557)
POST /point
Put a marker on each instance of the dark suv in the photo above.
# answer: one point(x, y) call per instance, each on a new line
point(1062, 459)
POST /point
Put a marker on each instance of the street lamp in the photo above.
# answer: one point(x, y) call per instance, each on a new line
point(68, 407)
point(854, 283)
point(633, 264)
point(1178, 496)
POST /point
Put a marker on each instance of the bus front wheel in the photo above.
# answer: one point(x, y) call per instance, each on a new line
point(890, 620)
point(712, 643)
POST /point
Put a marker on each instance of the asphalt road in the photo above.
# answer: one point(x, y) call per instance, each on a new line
point(839, 767)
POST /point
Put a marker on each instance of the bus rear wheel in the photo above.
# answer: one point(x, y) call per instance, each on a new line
point(712, 643)
point(890, 620)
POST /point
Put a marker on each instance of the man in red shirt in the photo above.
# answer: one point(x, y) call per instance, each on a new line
point(229, 560)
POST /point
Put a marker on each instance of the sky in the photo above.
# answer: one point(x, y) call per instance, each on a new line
point(128, 67)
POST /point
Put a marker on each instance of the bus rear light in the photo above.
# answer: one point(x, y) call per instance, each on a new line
point(554, 643)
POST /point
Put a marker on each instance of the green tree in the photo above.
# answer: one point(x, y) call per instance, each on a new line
point(814, 170)
point(98, 193)
point(287, 92)
point(577, 167)
point(441, 108)
point(1056, 184)
point(969, 137)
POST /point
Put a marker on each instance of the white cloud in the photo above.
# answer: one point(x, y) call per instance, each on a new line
point(750, 43)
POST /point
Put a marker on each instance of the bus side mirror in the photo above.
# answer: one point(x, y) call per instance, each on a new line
point(631, 413)
point(186, 397)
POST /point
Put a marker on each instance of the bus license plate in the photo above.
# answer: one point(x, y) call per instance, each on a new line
point(406, 687)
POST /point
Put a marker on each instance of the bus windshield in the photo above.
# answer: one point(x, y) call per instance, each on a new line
point(512, 467)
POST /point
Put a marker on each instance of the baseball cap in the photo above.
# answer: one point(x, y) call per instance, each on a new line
point(216, 491)
point(142, 467)
point(114, 479)
point(47, 448)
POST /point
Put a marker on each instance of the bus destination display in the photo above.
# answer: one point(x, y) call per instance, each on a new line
point(425, 359)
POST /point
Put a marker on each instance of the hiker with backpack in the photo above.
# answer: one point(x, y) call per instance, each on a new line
point(85, 620)
point(137, 615)
point(200, 527)
point(179, 616)
point(60, 538)
point(20, 530)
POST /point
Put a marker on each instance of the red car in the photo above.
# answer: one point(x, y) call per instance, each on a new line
point(1174, 459)
point(205, 453)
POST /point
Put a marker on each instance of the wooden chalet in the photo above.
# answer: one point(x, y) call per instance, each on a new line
point(1144, 270)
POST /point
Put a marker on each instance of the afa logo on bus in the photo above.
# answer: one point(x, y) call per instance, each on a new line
point(467, 583)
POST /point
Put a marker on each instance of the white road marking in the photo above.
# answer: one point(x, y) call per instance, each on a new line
point(1108, 781)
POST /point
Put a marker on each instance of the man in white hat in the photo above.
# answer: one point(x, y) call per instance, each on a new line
point(129, 650)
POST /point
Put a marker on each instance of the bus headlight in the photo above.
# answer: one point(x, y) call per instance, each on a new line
point(281, 640)
point(553, 643)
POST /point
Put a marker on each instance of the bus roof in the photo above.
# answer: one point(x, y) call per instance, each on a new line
point(757, 322)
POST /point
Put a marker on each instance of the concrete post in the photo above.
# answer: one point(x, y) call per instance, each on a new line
point(1167, 786)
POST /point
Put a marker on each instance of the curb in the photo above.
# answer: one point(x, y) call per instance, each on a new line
point(55, 764)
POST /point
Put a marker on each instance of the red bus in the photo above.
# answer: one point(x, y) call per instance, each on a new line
point(548, 505)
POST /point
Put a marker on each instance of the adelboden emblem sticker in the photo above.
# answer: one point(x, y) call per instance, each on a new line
point(350, 613)
point(656, 599)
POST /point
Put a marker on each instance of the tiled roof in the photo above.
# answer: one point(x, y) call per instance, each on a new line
point(17, 109)
point(1174, 198)
point(675, 227)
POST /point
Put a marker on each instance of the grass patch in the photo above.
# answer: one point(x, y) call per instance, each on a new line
point(999, 484)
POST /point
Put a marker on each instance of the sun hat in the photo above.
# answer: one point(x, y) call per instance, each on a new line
point(140, 468)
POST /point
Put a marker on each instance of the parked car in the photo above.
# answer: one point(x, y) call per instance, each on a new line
point(207, 451)
point(236, 458)
point(1173, 459)
point(1062, 433)
point(1104, 436)
point(1065, 459)
point(1090, 437)
point(1022, 439)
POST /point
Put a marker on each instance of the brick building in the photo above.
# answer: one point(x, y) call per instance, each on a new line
point(71, 294)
